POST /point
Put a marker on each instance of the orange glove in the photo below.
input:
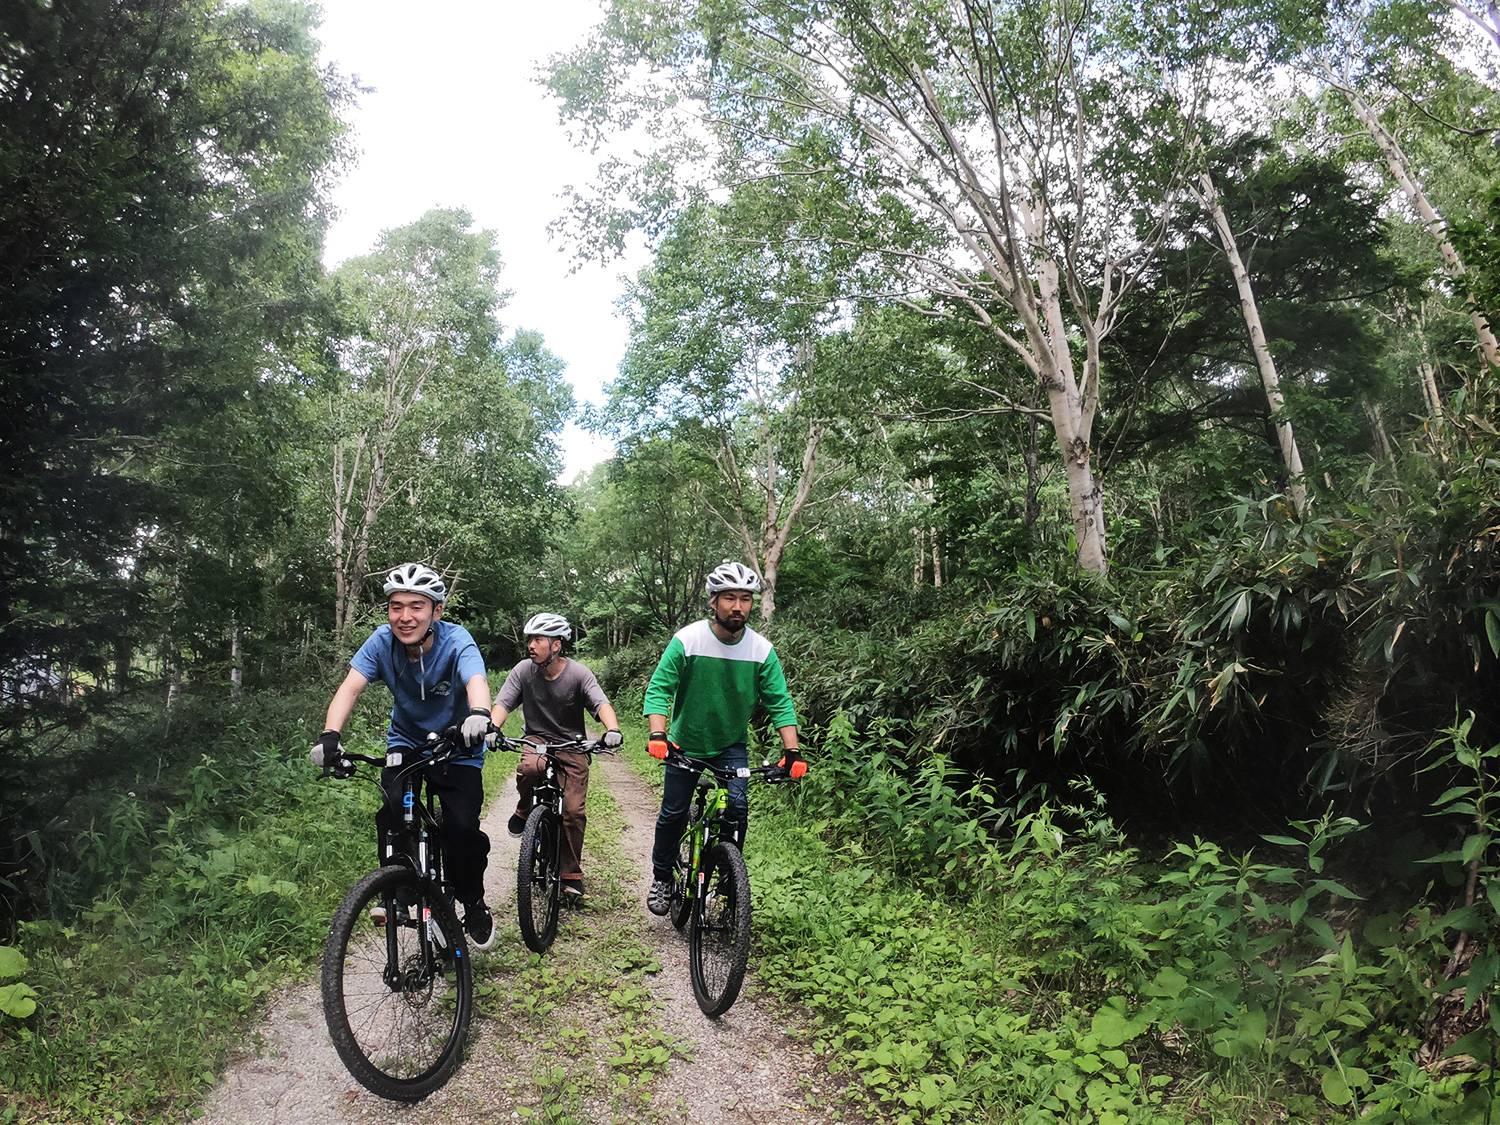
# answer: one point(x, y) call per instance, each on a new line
point(657, 745)
point(793, 763)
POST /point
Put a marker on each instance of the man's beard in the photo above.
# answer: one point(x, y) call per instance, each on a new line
point(726, 623)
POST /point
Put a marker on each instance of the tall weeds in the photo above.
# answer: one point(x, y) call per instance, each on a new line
point(175, 905)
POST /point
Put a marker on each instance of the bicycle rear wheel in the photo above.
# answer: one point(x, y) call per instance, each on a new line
point(538, 879)
point(397, 996)
point(719, 938)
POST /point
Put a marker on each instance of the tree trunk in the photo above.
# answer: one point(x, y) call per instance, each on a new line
point(1383, 444)
point(1291, 458)
point(236, 656)
point(1427, 375)
point(766, 549)
point(1400, 168)
point(1032, 507)
point(1072, 419)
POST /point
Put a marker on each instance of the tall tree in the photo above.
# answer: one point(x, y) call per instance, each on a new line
point(1012, 160)
point(730, 352)
point(161, 211)
point(1315, 247)
point(645, 539)
point(1383, 59)
point(1207, 194)
point(421, 310)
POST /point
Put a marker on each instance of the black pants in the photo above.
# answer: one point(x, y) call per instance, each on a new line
point(460, 791)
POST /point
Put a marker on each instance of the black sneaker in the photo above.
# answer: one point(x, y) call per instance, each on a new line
point(516, 825)
point(573, 888)
point(659, 901)
point(479, 924)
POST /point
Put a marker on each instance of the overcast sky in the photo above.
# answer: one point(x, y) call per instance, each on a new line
point(456, 119)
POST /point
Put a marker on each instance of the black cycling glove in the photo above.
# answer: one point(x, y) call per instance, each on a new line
point(328, 752)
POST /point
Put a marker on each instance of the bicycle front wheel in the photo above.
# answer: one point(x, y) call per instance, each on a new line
point(719, 938)
point(538, 880)
point(397, 993)
point(682, 896)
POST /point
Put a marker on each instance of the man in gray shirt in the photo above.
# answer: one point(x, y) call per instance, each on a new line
point(553, 692)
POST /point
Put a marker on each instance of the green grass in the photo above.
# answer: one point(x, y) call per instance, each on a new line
point(1050, 976)
point(140, 995)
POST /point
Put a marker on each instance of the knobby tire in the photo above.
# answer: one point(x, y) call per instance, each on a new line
point(682, 898)
point(719, 937)
point(397, 1007)
point(539, 879)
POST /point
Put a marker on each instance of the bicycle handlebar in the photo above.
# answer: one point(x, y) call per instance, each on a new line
point(441, 747)
point(575, 746)
point(773, 775)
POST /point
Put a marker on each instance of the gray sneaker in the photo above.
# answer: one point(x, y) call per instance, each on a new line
point(659, 901)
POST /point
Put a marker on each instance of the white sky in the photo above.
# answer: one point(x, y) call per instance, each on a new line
point(457, 120)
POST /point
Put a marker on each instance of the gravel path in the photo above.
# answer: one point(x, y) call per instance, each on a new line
point(603, 1029)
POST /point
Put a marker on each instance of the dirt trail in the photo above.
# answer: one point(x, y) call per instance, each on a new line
point(603, 1029)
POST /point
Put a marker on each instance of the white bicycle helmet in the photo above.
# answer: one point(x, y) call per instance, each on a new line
point(414, 578)
point(548, 625)
point(732, 576)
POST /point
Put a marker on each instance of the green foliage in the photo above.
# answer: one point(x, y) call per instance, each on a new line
point(17, 998)
point(1065, 972)
point(161, 211)
point(195, 898)
point(1264, 668)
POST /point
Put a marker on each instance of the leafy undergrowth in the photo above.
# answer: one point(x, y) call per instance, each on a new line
point(213, 900)
point(1048, 977)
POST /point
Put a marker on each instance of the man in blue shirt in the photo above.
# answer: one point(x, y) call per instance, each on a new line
point(437, 677)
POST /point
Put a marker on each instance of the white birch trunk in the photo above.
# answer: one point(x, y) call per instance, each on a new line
point(1400, 169)
point(1291, 457)
point(1427, 375)
point(236, 662)
point(1072, 419)
point(766, 545)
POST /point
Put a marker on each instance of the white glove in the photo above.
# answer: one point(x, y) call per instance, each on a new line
point(612, 739)
point(476, 728)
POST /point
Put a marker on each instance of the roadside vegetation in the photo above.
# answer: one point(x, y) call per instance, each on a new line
point(199, 873)
point(1053, 972)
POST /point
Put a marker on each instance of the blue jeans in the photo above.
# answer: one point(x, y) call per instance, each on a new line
point(677, 794)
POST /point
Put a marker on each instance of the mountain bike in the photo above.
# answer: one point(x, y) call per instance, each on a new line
point(397, 987)
point(539, 867)
point(711, 895)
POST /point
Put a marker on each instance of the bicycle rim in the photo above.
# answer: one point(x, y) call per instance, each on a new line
point(397, 997)
point(682, 899)
point(538, 883)
point(719, 939)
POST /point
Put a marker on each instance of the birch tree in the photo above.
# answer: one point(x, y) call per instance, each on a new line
point(1291, 458)
point(726, 357)
point(421, 308)
point(1010, 163)
point(1369, 58)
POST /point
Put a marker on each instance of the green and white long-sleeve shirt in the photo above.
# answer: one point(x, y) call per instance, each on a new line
point(710, 688)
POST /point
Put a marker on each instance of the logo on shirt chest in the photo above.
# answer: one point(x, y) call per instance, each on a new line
point(442, 687)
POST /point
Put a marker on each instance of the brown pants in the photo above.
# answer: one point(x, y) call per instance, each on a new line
point(573, 775)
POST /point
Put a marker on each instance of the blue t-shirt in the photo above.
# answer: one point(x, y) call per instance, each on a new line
point(431, 693)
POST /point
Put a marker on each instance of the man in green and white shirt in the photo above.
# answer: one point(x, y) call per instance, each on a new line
point(710, 678)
